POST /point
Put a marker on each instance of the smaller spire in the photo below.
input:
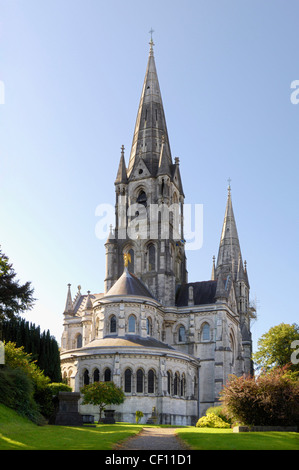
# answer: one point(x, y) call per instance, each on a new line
point(69, 303)
point(111, 236)
point(164, 167)
point(245, 272)
point(213, 275)
point(240, 271)
point(121, 176)
point(88, 305)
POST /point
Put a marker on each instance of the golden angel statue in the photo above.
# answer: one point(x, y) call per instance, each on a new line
point(127, 259)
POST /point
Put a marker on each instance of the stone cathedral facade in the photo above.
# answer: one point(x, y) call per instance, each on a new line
point(169, 343)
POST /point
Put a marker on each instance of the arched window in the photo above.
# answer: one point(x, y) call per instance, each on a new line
point(113, 324)
point(96, 375)
point(151, 258)
point(195, 387)
point(183, 385)
point(86, 377)
point(151, 381)
point(232, 347)
point(128, 381)
point(141, 199)
point(149, 326)
point(139, 382)
point(107, 375)
point(205, 334)
point(169, 382)
point(182, 334)
point(132, 324)
point(176, 384)
point(79, 341)
point(131, 263)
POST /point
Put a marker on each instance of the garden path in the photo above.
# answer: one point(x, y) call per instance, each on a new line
point(154, 439)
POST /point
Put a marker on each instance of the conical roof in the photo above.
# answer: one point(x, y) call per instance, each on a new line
point(128, 284)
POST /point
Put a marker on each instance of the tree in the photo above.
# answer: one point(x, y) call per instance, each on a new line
point(275, 348)
point(102, 394)
point(41, 346)
point(14, 297)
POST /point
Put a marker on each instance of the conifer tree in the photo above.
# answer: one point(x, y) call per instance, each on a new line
point(15, 298)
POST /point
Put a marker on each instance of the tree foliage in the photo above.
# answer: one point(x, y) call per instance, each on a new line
point(275, 347)
point(15, 298)
point(102, 394)
point(42, 347)
point(23, 384)
point(270, 399)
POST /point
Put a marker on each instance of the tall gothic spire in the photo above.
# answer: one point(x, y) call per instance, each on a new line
point(229, 254)
point(150, 123)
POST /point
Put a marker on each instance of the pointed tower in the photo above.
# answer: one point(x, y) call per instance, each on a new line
point(149, 202)
point(150, 124)
point(229, 249)
point(232, 274)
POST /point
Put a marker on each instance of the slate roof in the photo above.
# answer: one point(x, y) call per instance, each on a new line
point(128, 341)
point(203, 293)
point(129, 284)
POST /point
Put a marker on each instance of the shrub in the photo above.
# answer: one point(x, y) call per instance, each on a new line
point(271, 399)
point(44, 397)
point(17, 392)
point(138, 416)
point(56, 387)
point(220, 412)
point(211, 420)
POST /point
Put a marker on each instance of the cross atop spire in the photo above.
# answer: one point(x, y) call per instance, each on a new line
point(151, 43)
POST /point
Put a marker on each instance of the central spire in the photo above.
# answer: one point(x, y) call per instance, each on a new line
point(150, 123)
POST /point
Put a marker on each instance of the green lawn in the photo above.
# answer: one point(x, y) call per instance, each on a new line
point(225, 439)
point(19, 433)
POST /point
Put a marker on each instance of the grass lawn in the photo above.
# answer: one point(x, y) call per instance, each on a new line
point(225, 439)
point(19, 433)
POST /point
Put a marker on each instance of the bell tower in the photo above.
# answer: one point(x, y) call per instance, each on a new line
point(149, 207)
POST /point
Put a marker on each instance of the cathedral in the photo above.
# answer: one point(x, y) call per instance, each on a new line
point(168, 343)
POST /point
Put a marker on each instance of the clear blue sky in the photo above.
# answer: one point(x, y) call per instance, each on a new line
point(73, 74)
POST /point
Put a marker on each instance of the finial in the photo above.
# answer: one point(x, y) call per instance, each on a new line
point(151, 43)
point(127, 259)
point(245, 266)
point(122, 149)
point(229, 186)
